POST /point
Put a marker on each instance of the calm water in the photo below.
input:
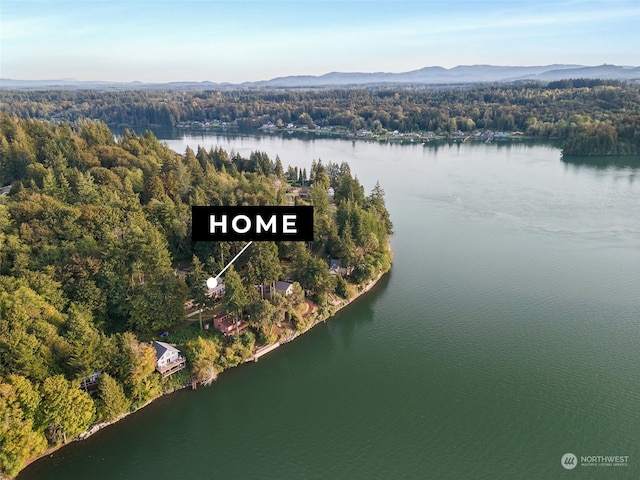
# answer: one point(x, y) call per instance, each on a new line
point(506, 335)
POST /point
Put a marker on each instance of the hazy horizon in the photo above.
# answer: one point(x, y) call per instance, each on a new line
point(98, 80)
point(245, 41)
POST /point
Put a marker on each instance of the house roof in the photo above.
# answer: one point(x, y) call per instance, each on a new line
point(336, 268)
point(283, 286)
point(217, 289)
point(162, 347)
point(228, 324)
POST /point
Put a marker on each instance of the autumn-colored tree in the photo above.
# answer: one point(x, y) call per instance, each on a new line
point(203, 355)
point(20, 439)
point(66, 409)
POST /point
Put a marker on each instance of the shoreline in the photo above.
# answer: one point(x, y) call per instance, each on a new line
point(338, 307)
point(334, 132)
point(99, 426)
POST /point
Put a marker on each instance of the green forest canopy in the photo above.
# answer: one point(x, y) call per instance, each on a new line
point(89, 237)
point(592, 117)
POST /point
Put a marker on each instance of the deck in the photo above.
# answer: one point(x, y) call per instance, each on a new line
point(173, 367)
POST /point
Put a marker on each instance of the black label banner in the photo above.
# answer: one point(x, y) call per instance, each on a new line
point(269, 224)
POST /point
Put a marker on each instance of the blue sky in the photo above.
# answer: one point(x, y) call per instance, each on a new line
point(235, 41)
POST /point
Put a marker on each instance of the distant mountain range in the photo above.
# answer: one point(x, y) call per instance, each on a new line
point(462, 74)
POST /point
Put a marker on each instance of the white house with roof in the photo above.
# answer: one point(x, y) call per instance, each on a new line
point(217, 291)
point(284, 288)
point(169, 360)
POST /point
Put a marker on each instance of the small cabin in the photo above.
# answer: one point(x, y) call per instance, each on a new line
point(284, 288)
point(169, 360)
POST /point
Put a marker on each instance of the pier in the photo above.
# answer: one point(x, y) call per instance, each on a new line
point(264, 350)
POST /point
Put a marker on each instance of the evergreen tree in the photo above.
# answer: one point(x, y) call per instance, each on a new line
point(279, 171)
point(111, 402)
point(236, 297)
point(197, 283)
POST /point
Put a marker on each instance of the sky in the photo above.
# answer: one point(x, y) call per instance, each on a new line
point(241, 40)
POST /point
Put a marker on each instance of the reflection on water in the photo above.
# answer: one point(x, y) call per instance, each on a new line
point(603, 161)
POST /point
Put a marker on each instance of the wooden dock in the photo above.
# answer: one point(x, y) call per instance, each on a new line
point(264, 350)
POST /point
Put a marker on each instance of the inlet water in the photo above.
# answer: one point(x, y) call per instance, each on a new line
point(506, 335)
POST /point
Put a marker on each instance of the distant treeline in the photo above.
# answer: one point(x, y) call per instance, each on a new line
point(592, 116)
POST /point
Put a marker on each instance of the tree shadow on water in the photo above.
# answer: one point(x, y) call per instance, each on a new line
point(601, 162)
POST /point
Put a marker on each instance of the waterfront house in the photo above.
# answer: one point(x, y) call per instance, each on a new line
point(229, 325)
point(335, 268)
point(284, 288)
point(169, 360)
point(217, 291)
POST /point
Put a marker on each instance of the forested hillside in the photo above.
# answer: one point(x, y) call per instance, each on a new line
point(90, 234)
point(591, 116)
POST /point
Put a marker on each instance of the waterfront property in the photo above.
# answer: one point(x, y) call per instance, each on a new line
point(281, 287)
point(335, 267)
point(217, 291)
point(229, 325)
point(284, 288)
point(169, 360)
point(264, 350)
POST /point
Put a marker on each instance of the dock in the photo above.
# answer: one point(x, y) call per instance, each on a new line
point(264, 350)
